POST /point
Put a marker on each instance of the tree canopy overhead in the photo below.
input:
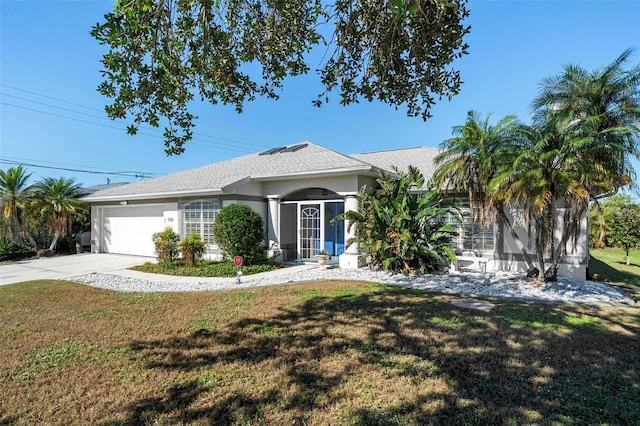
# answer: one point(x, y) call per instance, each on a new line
point(162, 53)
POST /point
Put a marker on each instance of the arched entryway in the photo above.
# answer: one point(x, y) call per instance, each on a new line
point(306, 225)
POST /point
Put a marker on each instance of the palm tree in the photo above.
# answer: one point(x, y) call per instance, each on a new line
point(14, 192)
point(57, 201)
point(472, 158)
point(585, 129)
point(602, 106)
point(546, 177)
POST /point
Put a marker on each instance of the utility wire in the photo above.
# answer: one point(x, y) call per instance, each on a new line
point(50, 97)
point(53, 106)
point(200, 139)
point(19, 159)
point(199, 135)
point(207, 144)
point(68, 118)
point(140, 175)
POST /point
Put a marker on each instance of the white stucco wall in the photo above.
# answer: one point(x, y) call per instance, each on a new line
point(573, 264)
point(337, 184)
point(171, 217)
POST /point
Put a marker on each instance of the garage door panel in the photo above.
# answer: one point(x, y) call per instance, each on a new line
point(130, 229)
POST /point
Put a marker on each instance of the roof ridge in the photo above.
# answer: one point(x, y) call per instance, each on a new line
point(348, 156)
point(397, 149)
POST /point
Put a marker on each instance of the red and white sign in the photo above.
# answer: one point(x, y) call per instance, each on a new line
point(237, 260)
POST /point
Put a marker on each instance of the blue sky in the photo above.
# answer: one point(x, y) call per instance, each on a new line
point(51, 114)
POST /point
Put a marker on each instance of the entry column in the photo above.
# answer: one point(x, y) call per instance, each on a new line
point(273, 222)
point(350, 259)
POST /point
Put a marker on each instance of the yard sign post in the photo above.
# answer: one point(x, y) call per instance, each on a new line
point(237, 260)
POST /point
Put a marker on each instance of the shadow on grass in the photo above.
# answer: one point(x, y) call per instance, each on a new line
point(396, 357)
point(178, 401)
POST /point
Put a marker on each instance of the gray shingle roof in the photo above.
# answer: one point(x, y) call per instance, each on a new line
point(101, 187)
point(420, 157)
point(307, 160)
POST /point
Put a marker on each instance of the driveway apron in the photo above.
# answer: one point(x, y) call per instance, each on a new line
point(65, 266)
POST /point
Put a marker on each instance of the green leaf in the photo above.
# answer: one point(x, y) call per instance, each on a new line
point(163, 54)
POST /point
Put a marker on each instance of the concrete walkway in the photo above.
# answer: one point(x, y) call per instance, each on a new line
point(66, 266)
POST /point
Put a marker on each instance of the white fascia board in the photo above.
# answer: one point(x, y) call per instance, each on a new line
point(227, 188)
point(154, 195)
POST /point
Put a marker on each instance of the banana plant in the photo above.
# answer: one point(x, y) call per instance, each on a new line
point(400, 224)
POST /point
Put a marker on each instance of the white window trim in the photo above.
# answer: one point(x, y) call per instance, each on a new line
point(182, 223)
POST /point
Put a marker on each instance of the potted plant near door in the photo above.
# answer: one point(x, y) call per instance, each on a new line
point(322, 256)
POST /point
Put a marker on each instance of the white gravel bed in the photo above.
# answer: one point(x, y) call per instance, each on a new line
point(499, 284)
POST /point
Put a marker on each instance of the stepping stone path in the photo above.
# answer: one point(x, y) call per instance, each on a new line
point(481, 305)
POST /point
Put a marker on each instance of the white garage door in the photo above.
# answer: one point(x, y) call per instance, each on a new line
point(130, 229)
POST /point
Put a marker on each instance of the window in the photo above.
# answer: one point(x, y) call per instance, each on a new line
point(199, 216)
point(472, 237)
point(476, 238)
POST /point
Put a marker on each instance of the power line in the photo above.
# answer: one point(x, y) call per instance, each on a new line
point(141, 175)
point(62, 116)
point(71, 165)
point(207, 141)
point(53, 106)
point(197, 134)
point(204, 144)
point(50, 97)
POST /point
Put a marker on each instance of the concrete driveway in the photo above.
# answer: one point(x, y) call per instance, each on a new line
point(60, 267)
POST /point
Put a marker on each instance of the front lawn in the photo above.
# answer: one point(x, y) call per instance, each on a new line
point(608, 265)
point(322, 353)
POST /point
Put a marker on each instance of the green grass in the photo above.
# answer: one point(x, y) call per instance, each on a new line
point(319, 353)
point(609, 265)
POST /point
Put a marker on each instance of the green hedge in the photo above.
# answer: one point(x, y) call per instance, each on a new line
point(204, 269)
point(11, 250)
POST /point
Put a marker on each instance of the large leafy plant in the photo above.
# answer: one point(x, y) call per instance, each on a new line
point(401, 226)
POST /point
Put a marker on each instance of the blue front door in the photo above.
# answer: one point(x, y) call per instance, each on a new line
point(333, 232)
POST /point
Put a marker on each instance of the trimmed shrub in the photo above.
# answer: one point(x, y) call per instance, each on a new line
point(239, 231)
point(166, 243)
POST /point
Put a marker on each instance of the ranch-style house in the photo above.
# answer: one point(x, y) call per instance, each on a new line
point(298, 189)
